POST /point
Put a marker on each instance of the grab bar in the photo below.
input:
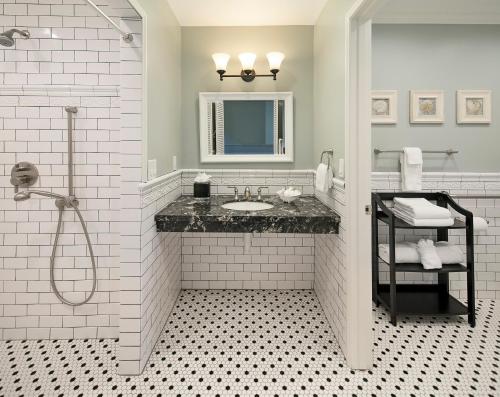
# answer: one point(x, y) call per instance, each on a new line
point(449, 152)
point(476, 196)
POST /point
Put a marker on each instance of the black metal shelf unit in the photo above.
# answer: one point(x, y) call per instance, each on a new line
point(421, 299)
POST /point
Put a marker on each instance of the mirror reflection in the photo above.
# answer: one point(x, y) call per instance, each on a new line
point(246, 127)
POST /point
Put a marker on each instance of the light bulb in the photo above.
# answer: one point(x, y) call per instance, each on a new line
point(247, 60)
point(275, 59)
point(221, 61)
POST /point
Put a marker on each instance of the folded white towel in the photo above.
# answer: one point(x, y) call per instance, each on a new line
point(449, 253)
point(423, 222)
point(428, 255)
point(421, 208)
point(322, 178)
point(406, 252)
point(411, 169)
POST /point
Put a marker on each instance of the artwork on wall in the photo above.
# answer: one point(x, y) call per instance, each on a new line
point(384, 107)
point(426, 107)
point(473, 107)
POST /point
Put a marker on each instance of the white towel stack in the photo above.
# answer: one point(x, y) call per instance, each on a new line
point(407, 252)
point(421, 212)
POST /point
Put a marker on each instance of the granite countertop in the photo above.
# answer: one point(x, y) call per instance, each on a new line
point(306, 215)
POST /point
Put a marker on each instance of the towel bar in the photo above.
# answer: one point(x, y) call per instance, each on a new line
point(449, 152)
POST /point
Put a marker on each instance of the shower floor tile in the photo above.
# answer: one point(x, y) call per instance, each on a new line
point(266, 343)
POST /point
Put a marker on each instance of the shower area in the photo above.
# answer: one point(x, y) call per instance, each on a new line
point(63, 69)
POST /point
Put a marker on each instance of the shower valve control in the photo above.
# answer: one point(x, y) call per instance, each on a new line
point(23, 175)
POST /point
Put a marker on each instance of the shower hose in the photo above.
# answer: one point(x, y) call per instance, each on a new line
point(61, 204)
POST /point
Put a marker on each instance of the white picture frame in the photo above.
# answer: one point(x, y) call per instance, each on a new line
point(474, 107)
point(207, 97)
point(384, 107)
point(426, 107)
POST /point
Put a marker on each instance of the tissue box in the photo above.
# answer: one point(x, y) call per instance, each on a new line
point(201, 189)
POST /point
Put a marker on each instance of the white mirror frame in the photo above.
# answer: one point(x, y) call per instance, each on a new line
point(206, 97)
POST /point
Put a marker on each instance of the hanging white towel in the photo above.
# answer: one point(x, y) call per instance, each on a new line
point(322, 178)
point(411, 169)
point(480, 224)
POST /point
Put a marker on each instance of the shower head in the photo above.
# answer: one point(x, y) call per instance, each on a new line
point(7, 38)
point(22, 196)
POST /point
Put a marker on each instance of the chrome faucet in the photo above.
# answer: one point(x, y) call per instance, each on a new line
point(259, 193)
point(236, 198)
point(248, 193)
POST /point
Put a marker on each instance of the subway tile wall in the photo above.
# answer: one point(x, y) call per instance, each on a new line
point(487, 243)
point(150, 268)
point(330, 273)
point(72, 59)
point(275, 180)
point(270, 261)
point(220, 260)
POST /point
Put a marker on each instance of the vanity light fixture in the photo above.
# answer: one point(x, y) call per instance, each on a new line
point(247, 60)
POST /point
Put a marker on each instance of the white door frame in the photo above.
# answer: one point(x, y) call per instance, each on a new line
point(358, 27)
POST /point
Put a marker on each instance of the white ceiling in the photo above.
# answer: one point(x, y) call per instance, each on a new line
point(440, 11)
point(246, 13)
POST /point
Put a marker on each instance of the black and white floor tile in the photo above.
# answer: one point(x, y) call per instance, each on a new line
point(266, 343)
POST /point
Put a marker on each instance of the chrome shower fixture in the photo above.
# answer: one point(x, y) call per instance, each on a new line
point(7, 38)
point(24, 175)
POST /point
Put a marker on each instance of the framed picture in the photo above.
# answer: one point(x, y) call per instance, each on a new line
point(426, 107)
point(384, 107)
point(473, 107)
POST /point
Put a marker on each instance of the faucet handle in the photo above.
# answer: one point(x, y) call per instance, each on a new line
point(236, 198)
point(259, 192)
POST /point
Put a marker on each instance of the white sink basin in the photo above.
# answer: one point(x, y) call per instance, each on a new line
point(247, 206)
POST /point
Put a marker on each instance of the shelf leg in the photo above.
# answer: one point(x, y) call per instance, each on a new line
point(443, 278)
point(471, 289)
point(392, 271)
point(375, 271)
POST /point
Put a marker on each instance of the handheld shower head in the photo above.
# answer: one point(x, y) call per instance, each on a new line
point(7, 38)
point(22, 196)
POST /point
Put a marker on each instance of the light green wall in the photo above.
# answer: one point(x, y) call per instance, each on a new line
point(448, 58)
point(329, 79)
point(163, 59)
point(198, 74)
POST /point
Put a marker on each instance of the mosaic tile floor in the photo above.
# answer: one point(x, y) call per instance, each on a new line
point(266, 343)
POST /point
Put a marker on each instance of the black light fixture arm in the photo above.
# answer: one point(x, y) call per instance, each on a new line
point(247, 75)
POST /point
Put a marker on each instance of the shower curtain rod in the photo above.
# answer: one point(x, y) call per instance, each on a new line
point(127, 37)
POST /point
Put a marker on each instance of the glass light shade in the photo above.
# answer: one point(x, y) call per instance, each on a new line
point(221, 61)
point(275, 59)
point(247, 60)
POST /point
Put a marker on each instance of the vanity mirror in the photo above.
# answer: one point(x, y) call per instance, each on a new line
point(246, 127)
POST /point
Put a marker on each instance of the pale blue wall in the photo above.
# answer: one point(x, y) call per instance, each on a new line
point(330, 79)
point(448, 58)
point(198, 75)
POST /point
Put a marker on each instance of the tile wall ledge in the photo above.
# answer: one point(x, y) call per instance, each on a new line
point(145, 187)
point(243, 172)
point(467, 175)
point(59, 90)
